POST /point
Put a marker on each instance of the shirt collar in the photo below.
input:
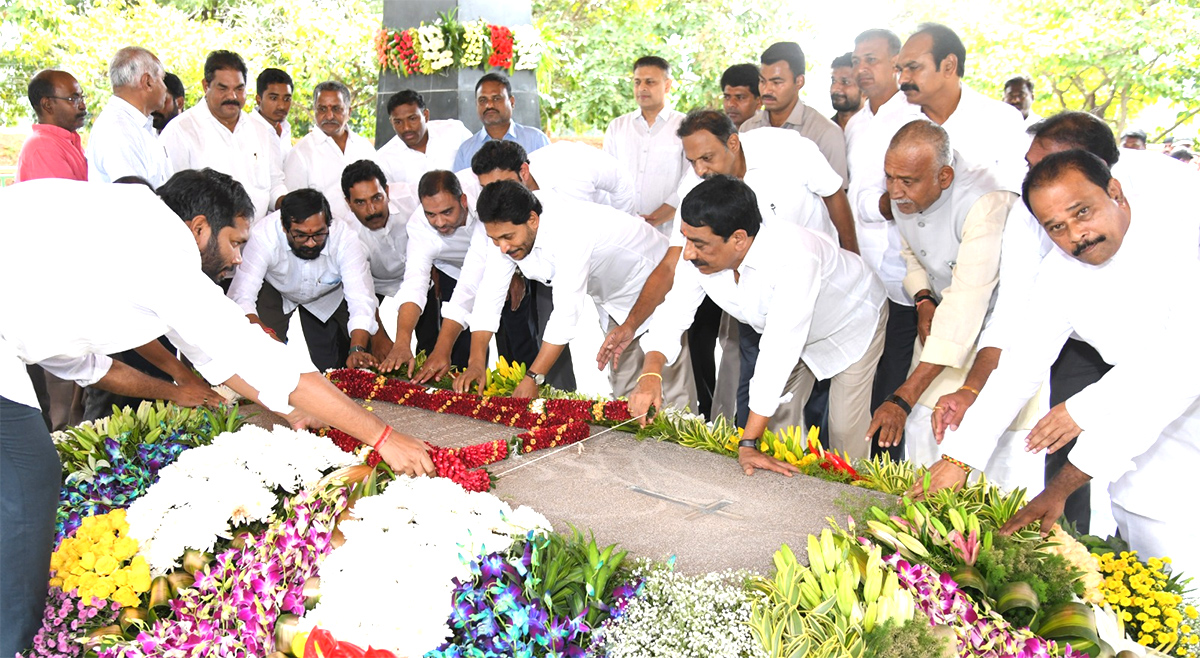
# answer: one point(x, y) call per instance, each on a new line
point(797, 115)
point(50, 130)
point(125, 107)
point(754, 254)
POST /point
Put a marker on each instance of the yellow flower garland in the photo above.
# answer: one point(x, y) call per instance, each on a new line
point(1154, 617)
point(101, 562)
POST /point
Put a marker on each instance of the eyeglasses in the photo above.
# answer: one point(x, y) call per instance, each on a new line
point(74, 99)
point(301, 238)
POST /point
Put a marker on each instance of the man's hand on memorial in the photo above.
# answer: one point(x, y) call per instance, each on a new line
point(195, 392)
point(646, 395)
point(475, 374)
point(1046, 507)
point(434, 368)
point(942, 475)
point(361, 360)
point(407, 455)
point(949, 412)
point(302, 420)
point(752, 458)
point(400, 356)
point(526, 389)
point(614, 344)
point(1054, 431)
point(381, 345)
point(889, 421)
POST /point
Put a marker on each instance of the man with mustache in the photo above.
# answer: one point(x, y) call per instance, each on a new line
point(780, 80)
point(739, 92)
point(582, 251)
point(494, 100)
point(218, 135)
point(420, 145)
point(844, 94)
point(53, 148)
point(123, 141)
point(301, 258)
point(951, 214)
point(1137, 425)
point(445, 244)
point(173, 246)
point(819, 309)
point(645, 143)
point(273, 101)
point(318, 159)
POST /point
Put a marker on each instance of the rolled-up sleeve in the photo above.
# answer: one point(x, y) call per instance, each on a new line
point(1021, 251)
point(84, 370)
point(357, 284)
point(676, 314)
point(569, 289)
point(419, 257)
point(462, 301)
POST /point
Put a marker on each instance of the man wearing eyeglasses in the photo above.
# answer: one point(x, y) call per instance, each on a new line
point(300, 258)
point(53, 150)
point(123, 141)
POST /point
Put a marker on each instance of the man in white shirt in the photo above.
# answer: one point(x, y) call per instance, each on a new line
point(217, 134)
point(303, 258)
point(165, 255)
point(844, 94)
point(571, 169)
point(272, 103)
point(1018, 92)
point(581, 250)
point(123, 141)
point(645, 143)
point(420, 145)
point(780, 80)
point(739, 92)
point(1136, 425)
point(819, 309)
point(318, 159)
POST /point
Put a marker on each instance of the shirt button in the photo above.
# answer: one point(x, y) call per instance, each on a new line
point(922, 252)
point(921, 224)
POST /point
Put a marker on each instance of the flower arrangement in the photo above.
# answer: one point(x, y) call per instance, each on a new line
point(447, 43)
point(1148, 602)
point(101, 562)
point(66, 618)
point(1060, 542)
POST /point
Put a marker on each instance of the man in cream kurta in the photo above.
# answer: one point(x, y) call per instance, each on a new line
point(951, 216)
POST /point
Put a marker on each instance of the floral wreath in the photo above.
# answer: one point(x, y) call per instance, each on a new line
point(448, 43)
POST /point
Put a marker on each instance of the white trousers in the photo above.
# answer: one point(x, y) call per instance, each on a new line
point(1155, 538)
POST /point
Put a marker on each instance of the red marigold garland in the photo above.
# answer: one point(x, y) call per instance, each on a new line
point(552, 436)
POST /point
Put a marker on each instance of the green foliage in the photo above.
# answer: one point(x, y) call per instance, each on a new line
point(572, 575)
point(1050, 576)
point(915, 639)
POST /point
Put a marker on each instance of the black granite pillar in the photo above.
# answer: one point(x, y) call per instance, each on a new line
point(450, 94)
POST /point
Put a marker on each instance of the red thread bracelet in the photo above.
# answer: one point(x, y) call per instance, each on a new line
point(382, 439)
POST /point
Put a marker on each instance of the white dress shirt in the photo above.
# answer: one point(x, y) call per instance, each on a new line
point(158, 289)
point(652, 156)
point(285, 132)
point(854, 128)
point(123, 142)
point(387, 247)
point(1152, 348)
point(812, 125)
point(581, 249)
point(789, 176)
point(340, 272)
point(404, 165)
point(250, 154)
point(991, 133)
point(317, 162)
point(810, 300)
point(582, 172)
point(428, 249)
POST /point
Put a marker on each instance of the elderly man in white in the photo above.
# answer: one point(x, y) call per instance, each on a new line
point(217, 134)
point(318, 159)
point(1137, 425)
point(420, 145)
point(123, 141)
point(302, 258)
point(581, 250)
point(820, 311)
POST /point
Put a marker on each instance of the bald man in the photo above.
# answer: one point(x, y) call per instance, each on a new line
point(53, 149)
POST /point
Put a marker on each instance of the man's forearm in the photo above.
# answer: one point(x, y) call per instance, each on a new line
point(125, 380)
point(406, 322)
point(546, 358)
point(161, 358)
point(360, 338)
point(843, 220)
point(986, 361)
point(662, 215)
point(920, 379)
point(1067, 480)
point(655, 290)
point(479, 346)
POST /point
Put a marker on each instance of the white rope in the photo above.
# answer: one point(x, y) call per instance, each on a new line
point(569, 445)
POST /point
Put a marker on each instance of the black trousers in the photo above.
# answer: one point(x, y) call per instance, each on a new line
point(702, 343)
point(429, 325)
point(328, 341)
point(519, 337)
point(894, 364)
point(1079, 365)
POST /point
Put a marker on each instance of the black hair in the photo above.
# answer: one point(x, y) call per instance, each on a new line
point(1079, 130)
point(787, 51)
point(270, 77)
point(41, 87)
point(217, 196)
point(174, 85)
point(363, 170)
point(437, 181)
point(652, 60)
point(299, 205)
point(741, 75)
point(893, 41)
point(221, 60)
point(716, 122)
point(133, 180)
point(405, 97)
point(507, 201)
point(498, 154)
point(495, 77)
point(1054, 166)
point(945, 43)
point(1019, 80)
point(843, 61)
point(724, 204)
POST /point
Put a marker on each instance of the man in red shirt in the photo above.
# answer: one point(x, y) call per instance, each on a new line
point(54, 150)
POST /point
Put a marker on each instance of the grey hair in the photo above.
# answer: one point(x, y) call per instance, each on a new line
point(925, 132)
point(332, 85)
point(130, 63)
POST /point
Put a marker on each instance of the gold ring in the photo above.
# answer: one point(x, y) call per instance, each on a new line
point(937, 408)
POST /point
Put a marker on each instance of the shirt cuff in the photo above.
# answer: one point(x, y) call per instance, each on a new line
point(943, 352)
point(481, 321)
point(366, 323)
point(661, 341)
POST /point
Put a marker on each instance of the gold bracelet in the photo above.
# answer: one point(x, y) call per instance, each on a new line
point(962, 465)
point(968, 388)
point(650, 374)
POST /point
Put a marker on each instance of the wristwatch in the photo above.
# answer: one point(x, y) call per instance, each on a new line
point(538, 379)
point(748, 443)
point(357, 348)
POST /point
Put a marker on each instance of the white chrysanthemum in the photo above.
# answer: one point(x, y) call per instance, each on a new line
point(528, 47)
